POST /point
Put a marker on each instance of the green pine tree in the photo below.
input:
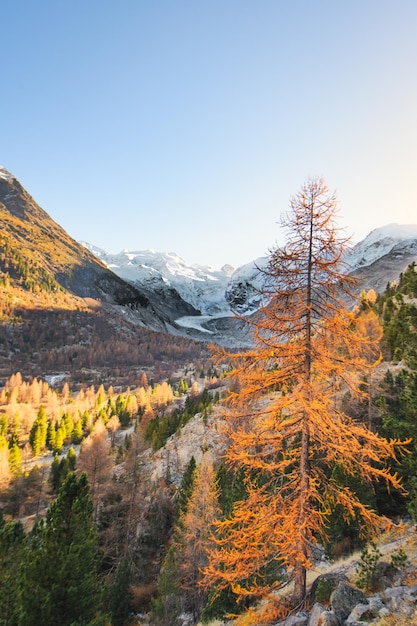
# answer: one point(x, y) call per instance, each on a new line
point(77, 433)
point(38, 432)
point(12, 543)
point(121, 597)
point(60, 574)
point(186, 487)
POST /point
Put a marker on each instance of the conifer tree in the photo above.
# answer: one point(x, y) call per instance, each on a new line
point(60, 574)
point(15, 455)
point(186, 487)
point(5, 473)
point(95, 460)
point(77, 433)
point(285, 425)
point(194, 533)
point(12, 544)
point(38, 432)
point(121, 595)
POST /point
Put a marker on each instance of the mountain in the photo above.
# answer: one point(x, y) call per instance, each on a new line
point(160, 290)
point(201, 287)
point(199, 299)
point(208, 291)
point(62, 311)
point(39, 256)
point(214, 295)
point(383, 255)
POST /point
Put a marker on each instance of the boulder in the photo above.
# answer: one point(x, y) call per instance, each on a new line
point(320, 617)
point(300, 619)
point(401, 600)
point(328, 618)
point(384, 575)
point(331, 579)
point(375, 604)
point(344, 599)
point(315, 614)
point(361, 612)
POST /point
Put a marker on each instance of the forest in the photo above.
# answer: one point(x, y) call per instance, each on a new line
point(318, 426)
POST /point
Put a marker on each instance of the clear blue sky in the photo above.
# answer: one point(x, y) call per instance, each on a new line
point(186, 126)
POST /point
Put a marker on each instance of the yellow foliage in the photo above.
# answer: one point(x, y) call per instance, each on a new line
point(284, 420)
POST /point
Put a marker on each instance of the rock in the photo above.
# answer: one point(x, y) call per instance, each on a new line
point(331, 579)
point(300, 619)
point(394, 592)
point(384, 574)
point(412, 591)
point(344, 599)
point(315, 614)
point(320, 617)
point(376, 604)
point(328, 618)
point(361, 611)
point(401, 600)
point(384, 612)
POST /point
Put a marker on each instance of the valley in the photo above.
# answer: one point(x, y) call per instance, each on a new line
point(136, 395)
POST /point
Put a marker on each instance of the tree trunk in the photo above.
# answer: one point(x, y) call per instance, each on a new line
point(299, 593)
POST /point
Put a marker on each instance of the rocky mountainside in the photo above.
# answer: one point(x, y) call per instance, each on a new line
point(160, 290)
point(203, 289)
point(36, 254)
point(62, 311)
point(202, 300)
point(383, 255)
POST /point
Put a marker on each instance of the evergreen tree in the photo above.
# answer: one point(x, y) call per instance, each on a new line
point(121, 595)
point(194, 536)
point(60, 574)
point(285, 428)
point(12, 543)
point(77, 433)
point(59, 439)
point(38, 432)
point(5, 474)
point(168, 605)
point(50, 435)
point(186, 487)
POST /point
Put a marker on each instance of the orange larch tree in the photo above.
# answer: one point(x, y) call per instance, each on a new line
point(194, 535)
point(283, 416)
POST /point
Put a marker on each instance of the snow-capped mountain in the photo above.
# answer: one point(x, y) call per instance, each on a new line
point(380, 242)
point(161, 290)
point(209, 291)
point(201, 286)
point(201, 299)
point(381, 257)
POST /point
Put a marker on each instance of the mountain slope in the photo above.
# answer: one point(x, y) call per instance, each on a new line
point(383, 255)
point(202, 287)
point(37, 255)
point(63, 311)
point(214, 295)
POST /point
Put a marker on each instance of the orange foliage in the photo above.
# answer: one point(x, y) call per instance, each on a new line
point(284, 421)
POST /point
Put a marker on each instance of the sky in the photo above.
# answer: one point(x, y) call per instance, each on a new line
point(186, 126)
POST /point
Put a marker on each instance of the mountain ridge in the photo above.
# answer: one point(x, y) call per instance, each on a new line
point(160, 290)
point(380, 258)
point(38, 254)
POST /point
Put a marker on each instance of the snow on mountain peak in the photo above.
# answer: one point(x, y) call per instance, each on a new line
point(378, 243)
point(5, 174)
point(201, 286)
point(219, 292)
